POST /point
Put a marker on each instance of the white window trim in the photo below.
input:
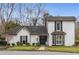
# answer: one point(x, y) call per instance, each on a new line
point(59, 26)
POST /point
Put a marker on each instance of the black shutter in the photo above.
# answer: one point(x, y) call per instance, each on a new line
point(20, 39)
point(26, 39)
point(61, 25)
point(55, 26)
point(55, 40)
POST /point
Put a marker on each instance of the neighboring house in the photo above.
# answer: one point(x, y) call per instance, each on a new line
point(77, 30)
point(58, 30)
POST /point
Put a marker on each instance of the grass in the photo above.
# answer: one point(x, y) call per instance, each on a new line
point(23, 48)
point(73, 49)
point(63, 49)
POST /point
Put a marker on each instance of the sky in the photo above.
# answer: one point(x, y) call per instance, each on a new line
point(63, 9)
point(56, 9)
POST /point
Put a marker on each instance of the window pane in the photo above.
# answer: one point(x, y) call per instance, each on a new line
point(58, 26)
point(23, 39)
point(57, 40)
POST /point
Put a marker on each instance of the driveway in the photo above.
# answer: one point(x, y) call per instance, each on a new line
point(35, 53)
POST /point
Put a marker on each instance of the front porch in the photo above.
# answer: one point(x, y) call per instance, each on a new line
point(34, 40)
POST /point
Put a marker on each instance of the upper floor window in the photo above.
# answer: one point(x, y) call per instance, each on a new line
point(58, 26)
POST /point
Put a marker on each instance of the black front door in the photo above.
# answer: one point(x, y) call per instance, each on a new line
point(43, 40)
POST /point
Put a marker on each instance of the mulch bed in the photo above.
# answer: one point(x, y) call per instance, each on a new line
point(3, 47)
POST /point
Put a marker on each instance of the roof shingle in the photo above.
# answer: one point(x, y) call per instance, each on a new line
point(34, 30)
point(58, 33)
point(61, 18)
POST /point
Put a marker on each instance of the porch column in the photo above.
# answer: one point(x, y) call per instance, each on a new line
point(50, 40)
point(30, 40)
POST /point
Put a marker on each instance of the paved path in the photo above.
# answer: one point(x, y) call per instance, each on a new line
point(35, 53)
point(42, 48)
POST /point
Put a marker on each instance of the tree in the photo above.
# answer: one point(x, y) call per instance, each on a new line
point(11, 24)
point(38, 12)
point(28, 13)
point(33, 13)
point(45, 17)
point(2, 28)
point(6, 11)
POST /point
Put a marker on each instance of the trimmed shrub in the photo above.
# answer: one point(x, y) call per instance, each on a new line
point(3, 43)
point(21, 44)
point(28, 44)
point(33, 44)
point(8, 44)
point(13, 44)
point(37, 44)
point(18, 43)
point(77, 43)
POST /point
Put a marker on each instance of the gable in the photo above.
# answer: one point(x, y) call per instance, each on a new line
point(23, 31)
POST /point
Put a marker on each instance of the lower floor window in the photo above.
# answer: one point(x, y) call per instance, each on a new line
point(23, 39)
point(58, 39)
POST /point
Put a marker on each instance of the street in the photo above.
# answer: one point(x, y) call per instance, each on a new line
point(35, 53)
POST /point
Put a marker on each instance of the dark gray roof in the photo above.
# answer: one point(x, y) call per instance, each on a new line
point(36, 30)
point(61, 18)
point(58, 32)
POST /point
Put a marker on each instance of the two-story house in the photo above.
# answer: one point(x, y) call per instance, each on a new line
point(58, 30)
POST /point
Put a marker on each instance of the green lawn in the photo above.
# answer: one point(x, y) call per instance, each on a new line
point(63, 49)
point(52, 48)
point(23, 48)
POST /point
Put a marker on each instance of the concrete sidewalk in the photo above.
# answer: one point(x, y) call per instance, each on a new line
point(35, 53)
